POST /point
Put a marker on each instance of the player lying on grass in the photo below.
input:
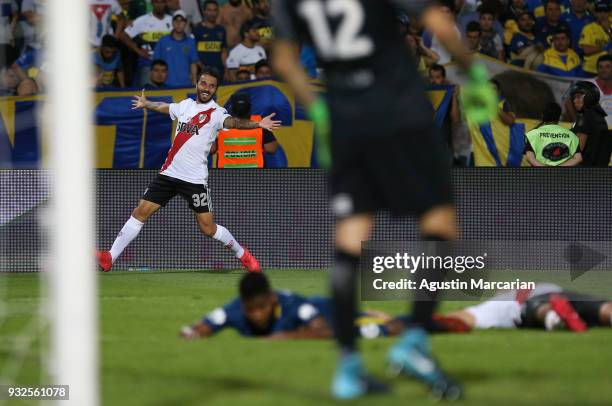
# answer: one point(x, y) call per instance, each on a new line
point(547, 306)
point(261, 311)
point(185, 170)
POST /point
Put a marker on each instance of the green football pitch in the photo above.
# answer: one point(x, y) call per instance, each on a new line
point(143, 362)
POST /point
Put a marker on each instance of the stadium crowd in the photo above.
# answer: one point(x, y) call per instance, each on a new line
point(158, 44)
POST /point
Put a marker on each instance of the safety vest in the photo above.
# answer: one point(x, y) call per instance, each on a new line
point(241, 148)
point(553, 144)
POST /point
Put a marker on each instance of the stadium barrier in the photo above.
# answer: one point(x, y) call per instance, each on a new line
point(137, 139)
point(283, 216)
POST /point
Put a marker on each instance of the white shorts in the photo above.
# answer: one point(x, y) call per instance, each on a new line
point(496, 314)
point(503, 311)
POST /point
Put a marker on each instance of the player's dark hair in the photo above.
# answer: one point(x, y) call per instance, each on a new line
point(561, 30)
point(260, 64)
point(604, 58)
point(109, 41)
point(450, 4)
point(486, 10)
point(252, 285)
point(551, 113)
point(211, 71)
point(160, 62)
point(473, 26)
point(439, 68)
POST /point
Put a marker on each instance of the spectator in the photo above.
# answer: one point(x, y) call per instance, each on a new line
point(560, 59)
point(109, 71)
point(490, 42)
point(437, 77)
point(27, 69)
point(424, 56)
point(158, 75)
point(590, 126)
point(179, 51)
point(245, 55)
point(211, 38)
point(595, 38)
point(261, 17)
point(550, 23)
point(100, 16)
point(243, 75)
point(190, 8)
point(549, 144)
point(142, 36)
point(522, 39)
point(576, 18)
point(603, 81)
point(8, 23)
point(537, 7)
point(8, 82)
point(31, 24)
point(129, 59)
point(232, 154)
point(467, 17)
point(263, 70)
point(232, 16)
point(505, 112)
point(510, 18)
point(448, 7)
point(472, 36)
point(124, 16)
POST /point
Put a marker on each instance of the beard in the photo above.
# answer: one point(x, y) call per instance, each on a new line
point(203, 98)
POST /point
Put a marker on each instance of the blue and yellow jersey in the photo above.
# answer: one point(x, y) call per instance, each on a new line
point(561, 63)
point(210, 42)
point(29, 62)
point(108, 69)
point(519, 41)
point(291, 312)
point(593, 34)
point(536, 7)
point(544, 31)
point(576, 24)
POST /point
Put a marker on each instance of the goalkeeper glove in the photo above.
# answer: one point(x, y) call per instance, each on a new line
point(478, 97)
point(319, 114)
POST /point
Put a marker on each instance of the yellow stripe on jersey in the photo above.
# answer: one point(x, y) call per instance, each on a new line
point(209, 46)
point(593, 34)
point(153, 36)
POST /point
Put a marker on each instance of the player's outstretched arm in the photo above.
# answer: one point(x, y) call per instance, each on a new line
point(266, 123)
point(196, 331)
point(318, 328)
point(141, 102)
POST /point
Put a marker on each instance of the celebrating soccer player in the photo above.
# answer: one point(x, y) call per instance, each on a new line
point(185, 170)
point(386, 153)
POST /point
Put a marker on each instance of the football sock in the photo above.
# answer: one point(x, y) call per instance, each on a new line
point(223, 235)
point(130, 230)
point(344, 300)
point(425, 302)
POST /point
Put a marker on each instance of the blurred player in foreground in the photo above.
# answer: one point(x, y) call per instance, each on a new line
point(386, 153)
point(260, 311)
point(185, 170)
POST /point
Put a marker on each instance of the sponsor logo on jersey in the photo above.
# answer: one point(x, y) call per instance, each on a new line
point(188, 128)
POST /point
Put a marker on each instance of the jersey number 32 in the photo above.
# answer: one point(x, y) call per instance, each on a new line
point(347, 42)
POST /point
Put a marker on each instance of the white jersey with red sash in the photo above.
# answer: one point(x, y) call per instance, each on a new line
point(196, 130)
